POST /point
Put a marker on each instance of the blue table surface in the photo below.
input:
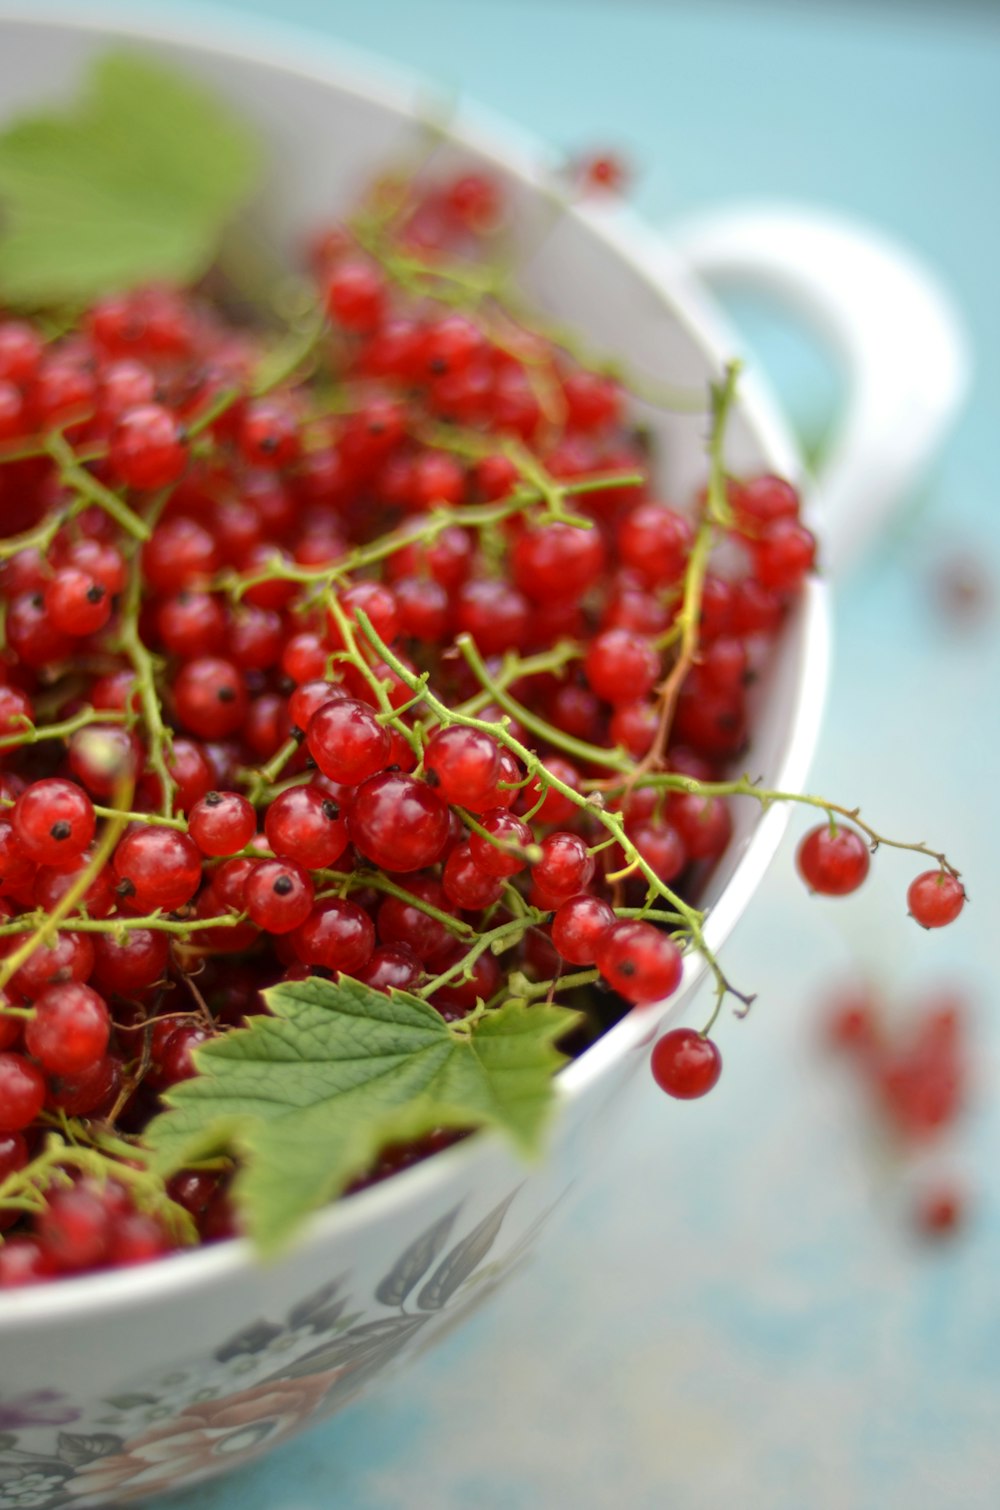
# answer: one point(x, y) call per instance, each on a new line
point(735, 1312)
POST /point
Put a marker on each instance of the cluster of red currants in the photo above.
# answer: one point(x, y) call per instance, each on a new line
point(352, 671)
point(916, 1079)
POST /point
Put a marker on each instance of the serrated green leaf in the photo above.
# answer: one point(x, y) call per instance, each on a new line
point(131, 185)
point(307, 1098)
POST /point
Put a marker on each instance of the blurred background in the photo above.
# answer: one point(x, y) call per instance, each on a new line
point(743, 1307)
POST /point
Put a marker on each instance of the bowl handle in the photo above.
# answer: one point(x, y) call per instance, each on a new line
point(886, 317)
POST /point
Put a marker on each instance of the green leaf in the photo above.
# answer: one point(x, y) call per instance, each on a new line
point(307, 1098)
point(132, 184)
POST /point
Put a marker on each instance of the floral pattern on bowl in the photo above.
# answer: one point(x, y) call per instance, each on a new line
point(271, 1379)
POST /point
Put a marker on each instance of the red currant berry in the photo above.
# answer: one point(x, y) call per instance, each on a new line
point(685, 1064)
point(407, 923)
point(77, 604)
point(338, 935)
point(465, 885)
point(761, 501)
point(70, 1029)
point(75, 1228)
point(502, 854)
point(157, 868)
point(566, 867)
point(127, 966)
point(578, 927)
point(935, 898)
point(269, 432)
point(220, 823)
point(398, 823)
point(181, 554)
point(639, 962)
point(557, 561)
point(147, 448)
point(621, 666)
point(465, 763)
point(304, 824)
point(69, 957)
point(90, 1092)
point(347, 741)
point(391, 968)
point(278, 895)
point(23, 1261)
point(654, 541)
point(54, 821)
point(355, 295)
point(22, 1092)
point(782, 555)
point(833, 860)
point(210, 697)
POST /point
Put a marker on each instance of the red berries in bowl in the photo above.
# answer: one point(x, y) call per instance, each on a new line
point(381, 696)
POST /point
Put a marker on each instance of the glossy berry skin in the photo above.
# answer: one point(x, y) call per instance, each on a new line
point(23, 1261)
point(130, 965)
point(347, 741)
point(269, 434)
point(304, 824)
point(393, 967)
point(67, 957)
point(621, 666)
point(685, 1064)
point(935, 898)
point(565, 867)
point(654, 541)
point(465, 885)
point(76, 603)
point(70, 1029)
point(337, 934)
point(512, 835)
point(833, 860)
point(22, 1092)
point(355, 295)
point(147, 448)
point(398, 822)
point(578, 927)
point(278, 895)
point(557, 561)
point(54, 821)
point(465, 763)
point(210, 697)
point(157, 867)
point(220, 823)
point(90, 1092)
point(75, 1228)
point(783, 554)
point(639, 962)
point(404, 923)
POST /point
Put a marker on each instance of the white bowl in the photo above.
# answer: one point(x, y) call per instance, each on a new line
point(125, 1384)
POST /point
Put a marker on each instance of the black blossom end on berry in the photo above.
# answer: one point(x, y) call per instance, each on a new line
point(283, 886)
point(61, 830)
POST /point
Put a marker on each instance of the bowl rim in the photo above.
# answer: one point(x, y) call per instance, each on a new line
point(288, 47)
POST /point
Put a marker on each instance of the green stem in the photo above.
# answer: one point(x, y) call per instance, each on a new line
point(33, 733)
point(83, 482)
point(614, 760)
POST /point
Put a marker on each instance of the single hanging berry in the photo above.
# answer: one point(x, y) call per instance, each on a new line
point(685, 1064)
point(935, 898)
point(833, 860)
